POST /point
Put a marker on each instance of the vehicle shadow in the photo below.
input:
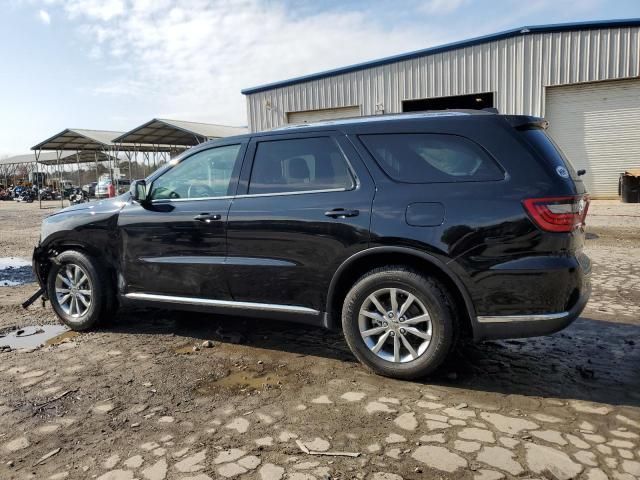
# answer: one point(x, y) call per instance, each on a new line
point(593, 360)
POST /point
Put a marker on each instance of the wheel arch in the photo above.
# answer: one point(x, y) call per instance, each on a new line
point(45, 255)
point(358, 264)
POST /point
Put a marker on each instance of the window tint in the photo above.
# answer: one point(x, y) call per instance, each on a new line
point(298, 165)
point(544, 145)
point(204, 174)
point(431, 158)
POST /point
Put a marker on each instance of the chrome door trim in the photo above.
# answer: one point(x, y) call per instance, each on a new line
point(522, 318)
point(267, 307)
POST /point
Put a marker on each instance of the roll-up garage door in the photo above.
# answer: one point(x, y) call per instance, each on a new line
point(309, 116)
point(597, 125)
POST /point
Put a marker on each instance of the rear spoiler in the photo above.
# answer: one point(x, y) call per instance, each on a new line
point(526, 122)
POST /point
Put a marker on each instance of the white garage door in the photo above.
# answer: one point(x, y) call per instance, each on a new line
point(597, 125)
point(309, 116)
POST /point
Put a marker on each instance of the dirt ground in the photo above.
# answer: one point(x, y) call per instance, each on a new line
point(276, 401)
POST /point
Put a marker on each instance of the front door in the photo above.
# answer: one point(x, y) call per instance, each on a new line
point(175, 245)
point(303, 207)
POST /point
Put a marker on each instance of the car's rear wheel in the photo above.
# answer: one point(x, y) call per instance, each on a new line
point(78, 290)
point(399, 322)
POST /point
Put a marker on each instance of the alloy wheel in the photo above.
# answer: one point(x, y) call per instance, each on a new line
point(73, 290)
point(395, 325)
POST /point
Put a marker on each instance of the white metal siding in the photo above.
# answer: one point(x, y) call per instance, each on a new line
point(325, 114)
point(597, 125)
point(517, 69)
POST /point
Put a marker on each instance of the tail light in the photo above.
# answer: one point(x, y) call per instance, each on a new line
point(558, 214)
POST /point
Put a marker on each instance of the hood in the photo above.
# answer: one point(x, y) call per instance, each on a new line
point(103, 206)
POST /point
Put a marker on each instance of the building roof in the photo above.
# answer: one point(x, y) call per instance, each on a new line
point(160, 131)
point(527, 30)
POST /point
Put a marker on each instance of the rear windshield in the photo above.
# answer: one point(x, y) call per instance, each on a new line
point(431, 158)
point(545, 147)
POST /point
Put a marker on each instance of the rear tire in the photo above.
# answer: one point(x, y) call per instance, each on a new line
point(79, 290)
point(399, 322)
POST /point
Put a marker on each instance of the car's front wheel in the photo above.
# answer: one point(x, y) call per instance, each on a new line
point(78, 290)
point(399, 322)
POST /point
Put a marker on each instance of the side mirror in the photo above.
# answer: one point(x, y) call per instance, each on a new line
point(139, 190)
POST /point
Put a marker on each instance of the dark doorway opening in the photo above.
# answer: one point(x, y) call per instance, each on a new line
point(475, 101)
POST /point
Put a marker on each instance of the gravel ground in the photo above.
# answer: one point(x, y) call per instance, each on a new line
point(271, 400)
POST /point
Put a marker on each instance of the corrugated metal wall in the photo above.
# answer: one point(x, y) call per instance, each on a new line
point(517, 69)
point(597, 127)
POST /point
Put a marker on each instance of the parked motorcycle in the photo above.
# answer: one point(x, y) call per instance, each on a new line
point(26, 196)
point(77, 195)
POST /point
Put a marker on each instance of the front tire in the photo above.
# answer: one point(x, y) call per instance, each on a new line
point(78, 290)
point(399, 322)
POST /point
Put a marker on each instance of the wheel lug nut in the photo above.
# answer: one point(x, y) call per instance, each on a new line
point(393, 334)
point(402, 330)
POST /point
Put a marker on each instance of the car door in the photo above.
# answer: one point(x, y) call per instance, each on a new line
point(174, 244)
point(303, 207)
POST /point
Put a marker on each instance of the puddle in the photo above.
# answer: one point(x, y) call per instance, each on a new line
point(240, 381)
point(13, 262)
point(15, 271)
point(33, 336)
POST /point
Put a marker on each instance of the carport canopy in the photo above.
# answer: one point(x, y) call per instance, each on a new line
point(20, 159)
point(66, 157)
point(59, 158)
point(77, 139)
point(177, 133)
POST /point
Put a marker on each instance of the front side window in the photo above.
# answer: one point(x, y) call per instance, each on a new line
point(202, 175)
point(298, 165)
point(431, 158)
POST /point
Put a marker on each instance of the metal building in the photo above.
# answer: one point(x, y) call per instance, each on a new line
point(583, 77)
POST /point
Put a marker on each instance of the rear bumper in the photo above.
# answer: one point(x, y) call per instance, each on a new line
point(521, 326)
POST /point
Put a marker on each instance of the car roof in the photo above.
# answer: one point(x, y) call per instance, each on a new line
point(397, 117)
point(350, 122)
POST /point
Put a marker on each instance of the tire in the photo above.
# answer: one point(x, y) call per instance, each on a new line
point(430, 297)
point(67, 276)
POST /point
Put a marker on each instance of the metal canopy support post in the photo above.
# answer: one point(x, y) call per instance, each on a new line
point(95, 157)
point(37, 155)
point(60, 187)
point(78, 167)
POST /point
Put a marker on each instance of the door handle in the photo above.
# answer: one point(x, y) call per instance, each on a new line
point(342, 213)
point(207, 217)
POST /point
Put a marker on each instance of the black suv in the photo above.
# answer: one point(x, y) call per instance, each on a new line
point(405, 231)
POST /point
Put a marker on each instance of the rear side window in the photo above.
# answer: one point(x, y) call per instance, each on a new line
point(431, 158)
point(299, 165)
point(547, 149)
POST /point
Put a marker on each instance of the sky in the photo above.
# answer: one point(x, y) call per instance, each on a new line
point(115, 64)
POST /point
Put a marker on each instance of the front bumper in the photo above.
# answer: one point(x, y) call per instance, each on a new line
point(521, 326)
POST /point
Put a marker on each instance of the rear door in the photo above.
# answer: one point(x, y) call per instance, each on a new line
point(304, 206)
point(176, 245)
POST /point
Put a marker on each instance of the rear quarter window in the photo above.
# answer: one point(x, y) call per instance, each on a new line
point(546, 148)
point(431, 158)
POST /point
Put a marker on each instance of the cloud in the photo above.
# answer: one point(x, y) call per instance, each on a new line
point(192, 57)
point(44, 17)
point(441, 7)
point(189, 59)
